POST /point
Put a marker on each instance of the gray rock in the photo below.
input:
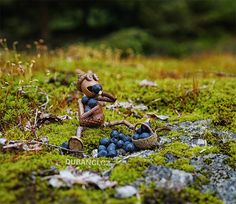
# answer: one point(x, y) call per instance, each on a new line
point(162, 117)
point(164, 140)
point(224, 135)
point(121, 152)
point(125, 191)
point(196, 128)
point(3, 141)
point(170, 157)
point(95, 153)
point(198, 142)
point(222, 177)
point(167, 178)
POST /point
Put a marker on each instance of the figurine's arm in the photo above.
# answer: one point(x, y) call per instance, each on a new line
point(106, 97)
point(84, 115)
point(81, 107)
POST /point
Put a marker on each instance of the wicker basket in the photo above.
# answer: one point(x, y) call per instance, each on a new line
point(92, 118)
point(145, 143)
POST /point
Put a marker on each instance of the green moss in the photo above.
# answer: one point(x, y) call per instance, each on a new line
point(188, 195)
point(130, 171)
point(182, 164)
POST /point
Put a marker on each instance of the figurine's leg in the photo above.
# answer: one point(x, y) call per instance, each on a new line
point(119, 122)
point(75, 143)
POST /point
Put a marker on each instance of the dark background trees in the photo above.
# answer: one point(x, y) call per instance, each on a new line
point(163, 25)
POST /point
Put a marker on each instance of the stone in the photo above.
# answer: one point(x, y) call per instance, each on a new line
point(164, 140)
point(125, 191)
point(166, 178)
point(222, 178)
point(95, 153)
point(170, 157)
point(198, 142)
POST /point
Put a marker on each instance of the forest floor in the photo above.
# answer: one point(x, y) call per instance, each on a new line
point(194, 162)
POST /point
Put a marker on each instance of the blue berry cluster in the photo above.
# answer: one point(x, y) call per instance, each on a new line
point(108, 146)
point(90, 103)
point(143, 132)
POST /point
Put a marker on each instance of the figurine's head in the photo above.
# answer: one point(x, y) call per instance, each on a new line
point(87, 83)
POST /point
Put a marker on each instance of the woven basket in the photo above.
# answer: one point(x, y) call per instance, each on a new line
point(95, 117)
point(145, 143)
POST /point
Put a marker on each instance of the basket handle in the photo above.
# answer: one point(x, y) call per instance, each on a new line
point(140, 123)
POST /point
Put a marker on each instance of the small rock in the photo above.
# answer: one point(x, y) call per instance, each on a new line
point(170, 157)
point(3, 141)
point(166, 178)
point(146, 82)
point(95, 153)
point(121, 152)
point(125, 192)
point(199, 142)
point(164, 140)
point(163, 117)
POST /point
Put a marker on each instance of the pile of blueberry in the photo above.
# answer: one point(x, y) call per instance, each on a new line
point(108, 146)
point(90, 103)
point(142, 132)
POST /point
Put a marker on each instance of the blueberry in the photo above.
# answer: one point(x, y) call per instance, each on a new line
point(114, 140)
point(114, 133)
point(129, 147)
point(125, 144)
point(96, 88)
point(144, 128)
point(104, 141)
point(102, 153)
point(87, 108)
point(101, 147)
point(144, 135)
point(120, 143)
point(65, 145)
point(111, 146)
point(127, 138)
point(112, 153)
point(139, 131)
point(92, 103)
point(136, 136)
point(121, 136)
point(85, 100)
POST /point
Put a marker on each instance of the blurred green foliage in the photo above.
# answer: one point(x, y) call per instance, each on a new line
point(162, 27)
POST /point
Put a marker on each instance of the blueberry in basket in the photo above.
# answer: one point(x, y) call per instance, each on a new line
point(145, 128)
point(144, 135)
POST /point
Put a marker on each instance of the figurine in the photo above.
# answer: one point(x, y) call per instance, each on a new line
point(90, 108)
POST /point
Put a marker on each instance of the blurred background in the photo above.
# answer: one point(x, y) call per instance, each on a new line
point(150, 27)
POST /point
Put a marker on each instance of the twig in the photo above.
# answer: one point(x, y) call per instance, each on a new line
point(119, 122)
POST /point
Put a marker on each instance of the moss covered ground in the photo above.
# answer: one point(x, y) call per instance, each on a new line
point(193, 88)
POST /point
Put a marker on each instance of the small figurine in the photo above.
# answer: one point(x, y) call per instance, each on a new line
point(90, 108)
